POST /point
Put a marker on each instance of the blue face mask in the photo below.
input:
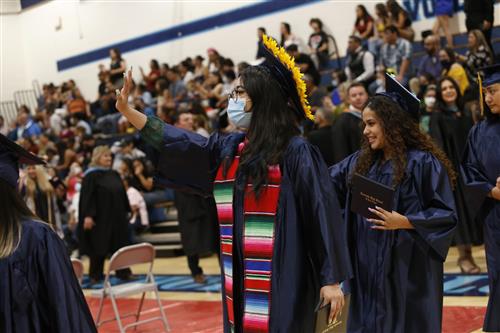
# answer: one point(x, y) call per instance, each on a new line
point(236, 113)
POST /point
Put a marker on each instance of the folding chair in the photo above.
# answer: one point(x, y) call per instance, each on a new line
point(78, 269)
point(123, 258)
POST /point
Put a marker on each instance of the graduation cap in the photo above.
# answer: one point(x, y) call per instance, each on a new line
point(491, 76)
point(282, 67)
point(11, 155)
point(401, 96)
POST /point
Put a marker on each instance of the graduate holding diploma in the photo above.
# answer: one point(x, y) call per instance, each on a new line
point(398, 255)
point(481, 169)
point(279, 220)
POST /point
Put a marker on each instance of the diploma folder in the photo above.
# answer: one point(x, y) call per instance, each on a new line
point(339, 324)
point(367, 193)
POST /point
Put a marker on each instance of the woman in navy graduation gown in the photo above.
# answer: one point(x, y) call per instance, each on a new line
point(39, 292)
point(449, 126)
point(481, 169)
point(398, 256)
point(309, 258)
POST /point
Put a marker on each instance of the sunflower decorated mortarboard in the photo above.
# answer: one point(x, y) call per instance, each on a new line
point(401, 96)
point(491, 76)
point(283, 68)
point(11, 155)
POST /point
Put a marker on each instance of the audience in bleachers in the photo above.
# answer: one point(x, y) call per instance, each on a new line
point(401, 19)
point(478, 55)
point(65, 127)
point(443, 10)
point(288, 38)
point(363, 26)
point(453, 69)
point(318, 43)
point(479, 15)
point(360, 63)
point(430, 63)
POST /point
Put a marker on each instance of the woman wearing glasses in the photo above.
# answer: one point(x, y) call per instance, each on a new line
point(277, 215)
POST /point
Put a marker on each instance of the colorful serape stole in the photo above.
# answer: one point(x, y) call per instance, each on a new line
point(258, 243)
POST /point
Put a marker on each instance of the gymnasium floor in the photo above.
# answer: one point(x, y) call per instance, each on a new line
point(194, 308)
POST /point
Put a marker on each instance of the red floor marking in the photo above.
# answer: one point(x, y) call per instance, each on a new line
point(183, 316)
point(206, 316)
point(462, 319)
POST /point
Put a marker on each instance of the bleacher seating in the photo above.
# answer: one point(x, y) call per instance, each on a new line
point(459, 42)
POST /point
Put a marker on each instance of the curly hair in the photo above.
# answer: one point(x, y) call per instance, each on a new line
point(401, 134)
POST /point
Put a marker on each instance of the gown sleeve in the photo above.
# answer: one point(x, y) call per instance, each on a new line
point(339, 176)
point(320, 212)
point(435, 129)
point(436, 220)
point(478, 185)
point(188, 161)
point(66, 306)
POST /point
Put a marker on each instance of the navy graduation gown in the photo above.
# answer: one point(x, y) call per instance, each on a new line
point(103, 198)
point(449, 130)
point(39, 292)
point(481, 167)
point(398, 275)
point(309, 248)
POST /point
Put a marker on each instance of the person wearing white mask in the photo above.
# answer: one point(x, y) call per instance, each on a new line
point(273, 196)
point(429, 101)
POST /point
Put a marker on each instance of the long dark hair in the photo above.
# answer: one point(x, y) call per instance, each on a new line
point(155, 64)
point(382, 9)
point(273, 124)
point(394, 8)
point(366, 16)
point(118, 53)
point(440, 103)
point(288, 29)
point(12, 210)
point(401, 134)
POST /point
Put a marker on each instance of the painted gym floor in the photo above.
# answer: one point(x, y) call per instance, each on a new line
point(191, 307)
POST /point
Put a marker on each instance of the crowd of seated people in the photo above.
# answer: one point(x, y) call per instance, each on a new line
point(66, 126)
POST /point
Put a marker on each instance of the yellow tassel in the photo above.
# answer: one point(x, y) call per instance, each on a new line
point(281, 54)
point(481, 98)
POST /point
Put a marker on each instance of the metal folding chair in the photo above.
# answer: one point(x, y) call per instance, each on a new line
point(78, 269)
point(125, 257)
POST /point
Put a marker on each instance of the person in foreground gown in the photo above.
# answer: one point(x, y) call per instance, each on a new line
point(38, 289)
point(282, 241)
point(398, 256)
point(481, 169)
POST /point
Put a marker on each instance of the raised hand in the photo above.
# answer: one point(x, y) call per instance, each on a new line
point(122, 95)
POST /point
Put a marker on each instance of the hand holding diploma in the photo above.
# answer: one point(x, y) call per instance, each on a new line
point(333, 295)
point(389, 220)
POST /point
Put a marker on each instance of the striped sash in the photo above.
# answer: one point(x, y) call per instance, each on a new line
point(259, 217)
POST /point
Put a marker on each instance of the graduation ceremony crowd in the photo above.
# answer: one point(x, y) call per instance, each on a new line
point(107, 166)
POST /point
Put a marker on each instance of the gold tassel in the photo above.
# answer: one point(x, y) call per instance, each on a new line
point(481, 97)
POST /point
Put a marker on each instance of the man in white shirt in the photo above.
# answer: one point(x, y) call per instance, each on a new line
point(360, 63)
